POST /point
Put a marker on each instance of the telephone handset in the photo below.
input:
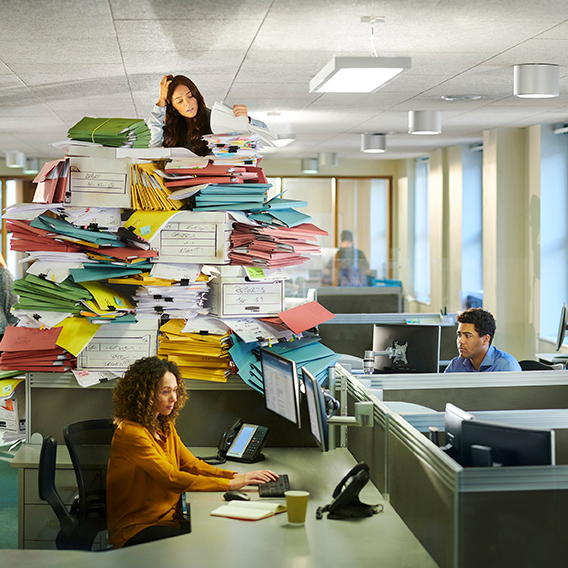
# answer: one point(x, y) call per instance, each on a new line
point(346, 503)
point(243, 442)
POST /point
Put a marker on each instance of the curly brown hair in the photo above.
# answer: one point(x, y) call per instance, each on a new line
point(135, 393)
point(178, 128)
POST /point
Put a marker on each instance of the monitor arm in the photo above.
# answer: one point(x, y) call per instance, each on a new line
point(396, 353)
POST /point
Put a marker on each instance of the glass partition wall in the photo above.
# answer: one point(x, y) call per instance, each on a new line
point(356, 213)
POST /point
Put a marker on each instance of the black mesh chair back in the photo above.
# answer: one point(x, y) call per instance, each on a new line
point(73, 534)
point(47, 489)
point(88, 443)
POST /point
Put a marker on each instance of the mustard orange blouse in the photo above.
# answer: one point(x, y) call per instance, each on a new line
point(146, 477)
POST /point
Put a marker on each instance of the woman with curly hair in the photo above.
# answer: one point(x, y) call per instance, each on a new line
point(149, 467)
point(180, 117)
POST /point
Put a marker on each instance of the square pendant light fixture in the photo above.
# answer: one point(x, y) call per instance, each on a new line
point(424, 122)
point(536, 80)
point(358, 74)
point(373, 142)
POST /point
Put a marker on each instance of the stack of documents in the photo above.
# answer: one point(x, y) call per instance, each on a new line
point(148, 190)
point(107, 305)
point(52, 182)
point(39, 294)
point(234, 149)
point(49, 234)
point(231, 197)
point(177, 301)
point(116, 132)
point(273, 246)
point(34, 349)
point(201, 354)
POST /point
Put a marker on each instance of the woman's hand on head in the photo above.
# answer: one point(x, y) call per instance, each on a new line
point(240, 110)
point(257, 477)
point(164, 86)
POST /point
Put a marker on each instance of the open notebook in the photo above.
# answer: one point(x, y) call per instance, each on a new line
point(248, 510)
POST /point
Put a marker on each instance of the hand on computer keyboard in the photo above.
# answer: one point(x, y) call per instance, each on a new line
point(252, 478)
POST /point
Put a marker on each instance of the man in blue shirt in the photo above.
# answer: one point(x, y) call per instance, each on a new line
point(476, 353)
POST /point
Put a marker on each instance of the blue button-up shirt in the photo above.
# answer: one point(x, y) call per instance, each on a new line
point(494, 360)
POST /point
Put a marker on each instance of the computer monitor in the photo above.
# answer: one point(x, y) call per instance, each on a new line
point(316, 410)
point(562, 327)
point(486, 444)
point(420, 345)
point(281, 386)
point(453, 419)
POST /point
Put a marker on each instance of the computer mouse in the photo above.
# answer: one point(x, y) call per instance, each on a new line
point(236, 496)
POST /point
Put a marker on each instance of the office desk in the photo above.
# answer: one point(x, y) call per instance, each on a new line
point(381, 540)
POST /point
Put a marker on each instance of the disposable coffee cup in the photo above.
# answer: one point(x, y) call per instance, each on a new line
point(297, 505)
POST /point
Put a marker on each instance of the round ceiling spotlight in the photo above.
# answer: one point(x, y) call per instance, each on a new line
point(424, 122)
point(373, 142)
point(536, 80)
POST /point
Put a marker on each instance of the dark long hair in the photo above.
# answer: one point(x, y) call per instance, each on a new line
point(135, 393)
point(177, 128)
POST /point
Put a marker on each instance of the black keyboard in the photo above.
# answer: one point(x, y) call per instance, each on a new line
point(275, 488)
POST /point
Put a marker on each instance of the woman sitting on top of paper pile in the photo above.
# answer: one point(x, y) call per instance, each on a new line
point(180, 117)
point(149, 466)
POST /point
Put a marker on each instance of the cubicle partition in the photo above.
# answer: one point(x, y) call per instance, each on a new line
point(479, 391)
point(469, 517)
point(54, 400)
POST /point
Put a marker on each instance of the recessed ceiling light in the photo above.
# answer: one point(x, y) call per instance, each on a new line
point(460, 97)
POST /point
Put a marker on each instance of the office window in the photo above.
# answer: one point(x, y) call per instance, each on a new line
point(421, 233)
point(472, 223)
point(553, 229)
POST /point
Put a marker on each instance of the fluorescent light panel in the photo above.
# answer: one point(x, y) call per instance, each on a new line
point(358, 74)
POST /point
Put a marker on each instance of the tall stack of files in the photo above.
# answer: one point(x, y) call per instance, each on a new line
point(115, 132)
point(148, 190)
point(201, 354)
point(34, 349)
point(273, 246)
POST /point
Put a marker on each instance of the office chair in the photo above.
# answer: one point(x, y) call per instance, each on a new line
point(529, 365)
point(73, 534)
point(88, 443)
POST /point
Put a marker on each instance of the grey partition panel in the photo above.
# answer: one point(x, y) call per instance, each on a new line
point(513, 529)
point(422, 488)
point(207, 414)
point(54, 408)
point(485, 398)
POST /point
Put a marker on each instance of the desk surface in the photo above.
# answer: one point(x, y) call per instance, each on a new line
point(214, 542)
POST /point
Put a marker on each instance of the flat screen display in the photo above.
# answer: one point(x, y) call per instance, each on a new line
point(281, 386)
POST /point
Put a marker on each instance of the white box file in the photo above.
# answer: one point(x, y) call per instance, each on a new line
point(233, 296)
point(194, 237)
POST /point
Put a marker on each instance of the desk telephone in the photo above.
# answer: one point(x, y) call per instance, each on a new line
point(346, 503)
point(243, 442)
